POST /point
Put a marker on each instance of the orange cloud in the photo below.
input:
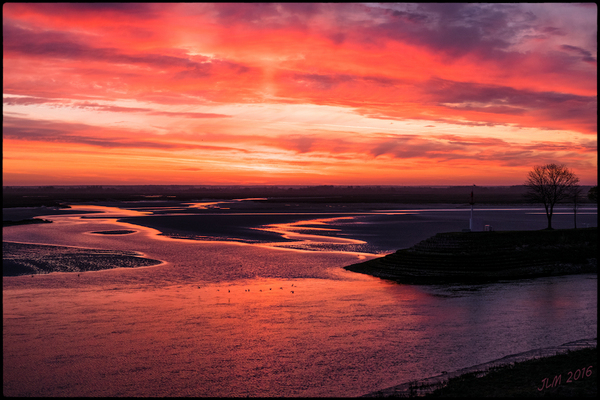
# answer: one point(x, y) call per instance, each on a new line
point(308, 93)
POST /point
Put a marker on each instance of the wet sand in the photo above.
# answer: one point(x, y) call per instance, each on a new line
point(28, 259)
point(379, 228)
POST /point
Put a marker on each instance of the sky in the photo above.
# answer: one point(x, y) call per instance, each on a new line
point(297, 93)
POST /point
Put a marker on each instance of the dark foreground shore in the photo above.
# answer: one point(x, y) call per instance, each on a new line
point(489, 256)
point(569, 370)
point(30, 259)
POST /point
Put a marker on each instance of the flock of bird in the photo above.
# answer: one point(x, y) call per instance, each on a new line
point(247, 290)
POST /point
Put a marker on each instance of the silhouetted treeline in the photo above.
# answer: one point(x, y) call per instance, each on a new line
point(55, 196)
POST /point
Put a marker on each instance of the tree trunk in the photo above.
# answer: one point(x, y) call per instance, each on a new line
point(549, 209)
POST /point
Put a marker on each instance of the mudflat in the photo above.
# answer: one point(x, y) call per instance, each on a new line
point(30, 259)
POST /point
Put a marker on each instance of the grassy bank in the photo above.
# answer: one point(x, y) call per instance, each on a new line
point(488, 256)
point(525, 379)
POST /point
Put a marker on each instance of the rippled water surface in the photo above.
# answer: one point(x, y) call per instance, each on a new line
point(251, 319)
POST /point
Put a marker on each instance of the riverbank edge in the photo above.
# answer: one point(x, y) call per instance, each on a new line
point(422, 387)
point(474, 257)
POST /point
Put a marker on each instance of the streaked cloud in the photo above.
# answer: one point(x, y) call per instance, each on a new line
point(300, 92)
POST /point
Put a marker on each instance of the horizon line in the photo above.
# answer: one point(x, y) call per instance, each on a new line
point(89, 186)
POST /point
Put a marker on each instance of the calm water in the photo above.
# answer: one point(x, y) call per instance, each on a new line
point(240, 319)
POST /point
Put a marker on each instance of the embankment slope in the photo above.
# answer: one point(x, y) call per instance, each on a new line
point(489, 256)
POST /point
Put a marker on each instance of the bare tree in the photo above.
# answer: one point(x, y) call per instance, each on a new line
point(550, 184)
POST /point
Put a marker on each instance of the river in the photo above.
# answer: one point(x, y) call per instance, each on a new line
point(225, 318)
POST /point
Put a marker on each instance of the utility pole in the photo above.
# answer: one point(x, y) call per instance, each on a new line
point(576, 193)
point(575, 209)
point(472, 202)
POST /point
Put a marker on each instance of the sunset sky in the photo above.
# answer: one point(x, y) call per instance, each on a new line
point(297, 94)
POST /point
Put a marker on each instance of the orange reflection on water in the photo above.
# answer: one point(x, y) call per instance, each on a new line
point(225, 319)
point(290, 231)
point(310, 337)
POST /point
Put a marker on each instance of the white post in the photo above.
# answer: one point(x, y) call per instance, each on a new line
point(471, 219)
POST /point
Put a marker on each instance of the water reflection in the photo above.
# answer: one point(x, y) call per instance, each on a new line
point(220, 320)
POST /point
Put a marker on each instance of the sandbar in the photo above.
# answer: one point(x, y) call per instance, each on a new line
point(31, 259)
point(115, 232)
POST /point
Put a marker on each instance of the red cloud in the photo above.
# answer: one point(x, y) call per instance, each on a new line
point(482, 66)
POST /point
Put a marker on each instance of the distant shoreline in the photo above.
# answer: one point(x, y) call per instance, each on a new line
point(58, 196)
